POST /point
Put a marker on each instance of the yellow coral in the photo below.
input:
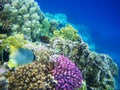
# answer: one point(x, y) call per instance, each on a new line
point(67, 32)
point(16, 40)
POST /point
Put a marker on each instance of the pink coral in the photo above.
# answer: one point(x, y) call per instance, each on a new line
point(67, 74)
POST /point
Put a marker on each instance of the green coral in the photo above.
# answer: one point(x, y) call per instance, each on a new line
point(45, 28)
point(67, 33)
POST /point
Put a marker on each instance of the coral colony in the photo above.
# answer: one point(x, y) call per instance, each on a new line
point(41, 51)
point(67, 74)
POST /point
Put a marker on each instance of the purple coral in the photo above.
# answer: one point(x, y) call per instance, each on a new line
point(67, 74)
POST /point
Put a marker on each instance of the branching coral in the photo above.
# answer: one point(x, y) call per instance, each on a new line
point(34, 76)
point(68, 33)
point(16, 40)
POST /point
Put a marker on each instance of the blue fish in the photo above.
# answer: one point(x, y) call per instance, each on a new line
point(19, 56)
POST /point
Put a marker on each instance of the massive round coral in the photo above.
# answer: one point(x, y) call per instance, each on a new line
point(67, 74)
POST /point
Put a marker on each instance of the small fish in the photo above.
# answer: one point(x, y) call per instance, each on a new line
point(19, 56)
point(45, 39)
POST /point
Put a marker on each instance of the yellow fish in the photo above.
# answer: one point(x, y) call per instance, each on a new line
point(19, 56)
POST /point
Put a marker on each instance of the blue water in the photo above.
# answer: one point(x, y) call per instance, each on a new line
point(102, 17)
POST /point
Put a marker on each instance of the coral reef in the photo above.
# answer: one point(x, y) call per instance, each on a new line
point(16, 40)
point(67, 32)
point(53, 25)
point(101, 65)
point(3, 83)
point(60, 18)
point(45, 25)
point(5, 42)
point(66, 47)
point(40, 51)
point(32, 76)
point(5, 22)
point(52, 40)
point(84, 32)
point(67, 74)
point(2, 38)
point(25, 17)
point(2, 3)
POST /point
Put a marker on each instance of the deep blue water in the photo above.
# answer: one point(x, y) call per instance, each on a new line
point(102, 17)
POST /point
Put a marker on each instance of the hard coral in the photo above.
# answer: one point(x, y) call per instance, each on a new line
point(67, 48)
point(34, 76)
point(89, 62)
point(16, 40)
point(67, 74)
point(5, 22)
point(23, 16)
point(67, 33)
point(104, 70)
point(2, 2)
point(4, 17)
point(60, 19)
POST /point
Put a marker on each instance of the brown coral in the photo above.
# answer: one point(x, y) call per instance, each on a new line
point(4, 17)
point(98, 69)
point(5, 21)
point(34, 76)
point(66, 47)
